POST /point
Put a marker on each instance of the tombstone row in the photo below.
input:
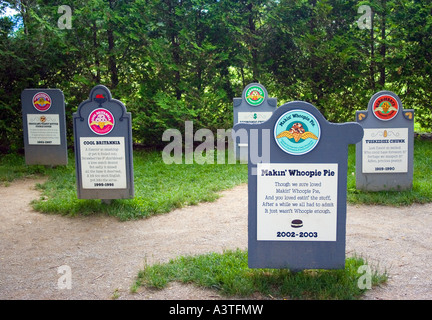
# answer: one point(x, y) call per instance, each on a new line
point(102, 140)
point(297, 188)
point(384, 157)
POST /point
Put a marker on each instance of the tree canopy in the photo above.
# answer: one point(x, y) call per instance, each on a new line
point(170, 61)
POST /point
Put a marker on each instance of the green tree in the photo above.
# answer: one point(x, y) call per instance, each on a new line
point(175, 60)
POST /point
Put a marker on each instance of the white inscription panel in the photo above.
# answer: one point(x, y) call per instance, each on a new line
point(385, 150)
point(43, 129)
point(103, 163)
point(297, 201)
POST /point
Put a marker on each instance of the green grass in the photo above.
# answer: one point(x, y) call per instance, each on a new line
point(229, 273)
point(159, 188)
point(421, 191)
point(12, 167)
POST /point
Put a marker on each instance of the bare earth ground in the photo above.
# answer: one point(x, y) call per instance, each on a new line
point(105, 255)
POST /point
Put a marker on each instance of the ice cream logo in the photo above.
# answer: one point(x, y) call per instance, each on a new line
point(255, 96)
point(297, 132)
point(101, 121)
point(385, 107)
point(41, 101)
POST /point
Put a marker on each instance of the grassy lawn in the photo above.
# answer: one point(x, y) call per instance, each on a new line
point(421, 191)
point(229, 273)
point(12, 167)
point(160, 188)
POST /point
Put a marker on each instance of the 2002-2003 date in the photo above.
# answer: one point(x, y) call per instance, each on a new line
point(291, 234)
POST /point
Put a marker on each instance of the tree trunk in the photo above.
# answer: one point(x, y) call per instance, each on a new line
point(175, 46)
point(252, 43)
point(372, 54)
point(23, 7)
point(97, 77)
point(112, 61)
point(383, 47)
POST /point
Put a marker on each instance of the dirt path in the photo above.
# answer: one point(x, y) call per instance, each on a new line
point(105, 255)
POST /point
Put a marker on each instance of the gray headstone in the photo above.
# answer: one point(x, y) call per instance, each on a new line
point(253, 107)
point(44, 127)
point(103, 147)
point(297, 177)
point(384, 157)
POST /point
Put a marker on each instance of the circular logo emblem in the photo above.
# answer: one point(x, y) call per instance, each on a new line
point(297, 132)
point(255, 95)
point(101, 121)
point(41, 101)
point(385, 107)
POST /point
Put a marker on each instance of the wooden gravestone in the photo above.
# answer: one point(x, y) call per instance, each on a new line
point(103, 147)
point(253, 107)
point(297, 190)
point(384, 157)
point(44, 127)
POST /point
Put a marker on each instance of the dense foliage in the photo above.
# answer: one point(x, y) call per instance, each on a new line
point(176, 60)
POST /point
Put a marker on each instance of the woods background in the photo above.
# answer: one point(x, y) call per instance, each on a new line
point(170, 61)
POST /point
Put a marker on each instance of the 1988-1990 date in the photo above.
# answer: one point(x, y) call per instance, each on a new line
point(97, 184)
point(291, 234)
